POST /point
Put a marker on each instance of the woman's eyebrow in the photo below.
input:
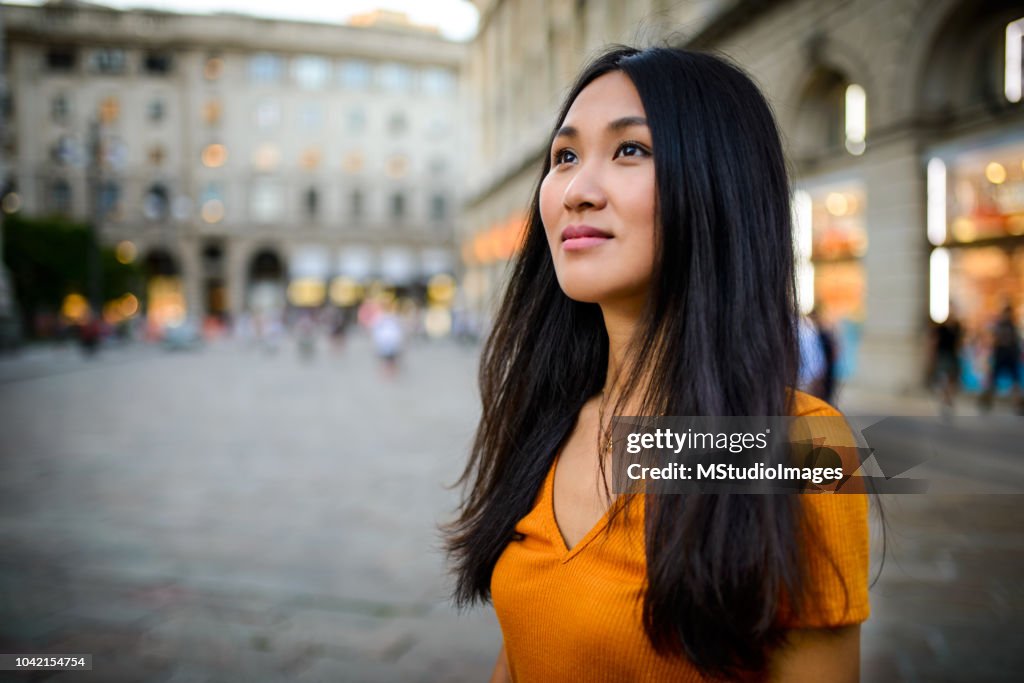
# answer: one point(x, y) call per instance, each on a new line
point(616, 125)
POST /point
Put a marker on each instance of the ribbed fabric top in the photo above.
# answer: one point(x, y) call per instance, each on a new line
point(575, 614)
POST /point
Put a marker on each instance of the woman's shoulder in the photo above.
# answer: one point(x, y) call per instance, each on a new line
point(805, 405)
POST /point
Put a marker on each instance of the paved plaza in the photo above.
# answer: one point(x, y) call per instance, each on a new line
point(229, 514)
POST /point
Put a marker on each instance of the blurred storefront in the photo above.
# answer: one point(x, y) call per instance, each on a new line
point(978, 245)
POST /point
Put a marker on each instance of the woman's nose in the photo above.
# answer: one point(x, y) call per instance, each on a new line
point(584, 191)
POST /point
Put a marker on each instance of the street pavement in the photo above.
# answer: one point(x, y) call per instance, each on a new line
point(231, 514)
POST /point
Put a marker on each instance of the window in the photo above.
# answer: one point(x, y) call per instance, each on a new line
point(355, 74)
point(211, 203)
point(356, 120)
point(266, 157)
point(394, 77)
point(398, 206)
point(155, 110)
point(438, 165)
point(356, 204)
point(110, 197)
point(213, 68)
point(61, 59)
point(212, 112)
point(266, 202)
point(397, 124)
point(268, 113)
point(156, 203)
point(397, 166)
point(64, 151)
point(311, 72)
point(311, 116)
point(60, 196)
point(310, 159)
point(60, 109)
point(438, 128)
point(157, 155)
point(265, 67)
point(353, 162)
point(109, 60)
point(214, 155)
point(438, 207)
point(157, 63)
point(438, 81)
point(110, 110)
point(311, 200)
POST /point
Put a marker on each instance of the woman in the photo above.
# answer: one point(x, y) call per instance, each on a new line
point(656, 278)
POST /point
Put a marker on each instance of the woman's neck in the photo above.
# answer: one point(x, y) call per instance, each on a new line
point(620, 322)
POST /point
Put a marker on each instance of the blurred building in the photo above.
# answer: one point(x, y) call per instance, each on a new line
point(903, 124)
point(245, 161)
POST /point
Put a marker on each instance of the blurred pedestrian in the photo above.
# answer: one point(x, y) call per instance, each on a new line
point(89, 334)
point(387, 339)
point(812, 357)
point(825, 385)
point(1005, 359)
point(947, 341)
point(306, 333)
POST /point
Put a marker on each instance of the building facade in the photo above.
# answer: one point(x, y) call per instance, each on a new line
point(903, 126)
point(249, 163)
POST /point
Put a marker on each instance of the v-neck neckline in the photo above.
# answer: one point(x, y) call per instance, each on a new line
point(564, 551)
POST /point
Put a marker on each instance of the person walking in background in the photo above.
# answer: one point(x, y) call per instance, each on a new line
point(1005, 359)
point(825, 387)
point(812, 357)
point(387, 339)
point(947, 340)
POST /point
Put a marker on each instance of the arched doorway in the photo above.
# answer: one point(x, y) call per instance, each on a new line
point(265, 289)
point(165, 292)
point(830, 210)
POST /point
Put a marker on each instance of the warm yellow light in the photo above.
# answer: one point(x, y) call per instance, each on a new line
point(11, 203)
point(215, 155)
point(129, 305)
point(964, 230)
point(110, 109)
point(345, 291)
point(437, 321)
point(266, 157)
point(212, 111)
point(75, 308)
point(213, 211)
point(1015, 224)
point(307, 292)
point(125, 251)
point(353, 162)
point(165, 297)
point(837, 204)
point(397, 166)
point(213, 69)
point(441, 289)
point(995, 173)
point(310, 158)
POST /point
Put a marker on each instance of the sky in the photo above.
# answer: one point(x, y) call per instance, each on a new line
point(456, 18)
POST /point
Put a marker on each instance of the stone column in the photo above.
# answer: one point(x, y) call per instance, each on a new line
point(896, 270)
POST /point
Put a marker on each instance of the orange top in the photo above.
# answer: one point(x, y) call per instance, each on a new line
point(574, 615)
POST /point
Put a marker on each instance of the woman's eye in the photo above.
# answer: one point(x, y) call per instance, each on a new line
point(631, 149)
point(564, 156)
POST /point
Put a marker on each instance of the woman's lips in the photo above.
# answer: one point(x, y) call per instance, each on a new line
point(576, 237)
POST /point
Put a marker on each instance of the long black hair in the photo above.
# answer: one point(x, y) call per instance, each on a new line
point(718, 333)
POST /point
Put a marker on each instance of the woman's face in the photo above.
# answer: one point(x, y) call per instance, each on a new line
point(598, 201)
